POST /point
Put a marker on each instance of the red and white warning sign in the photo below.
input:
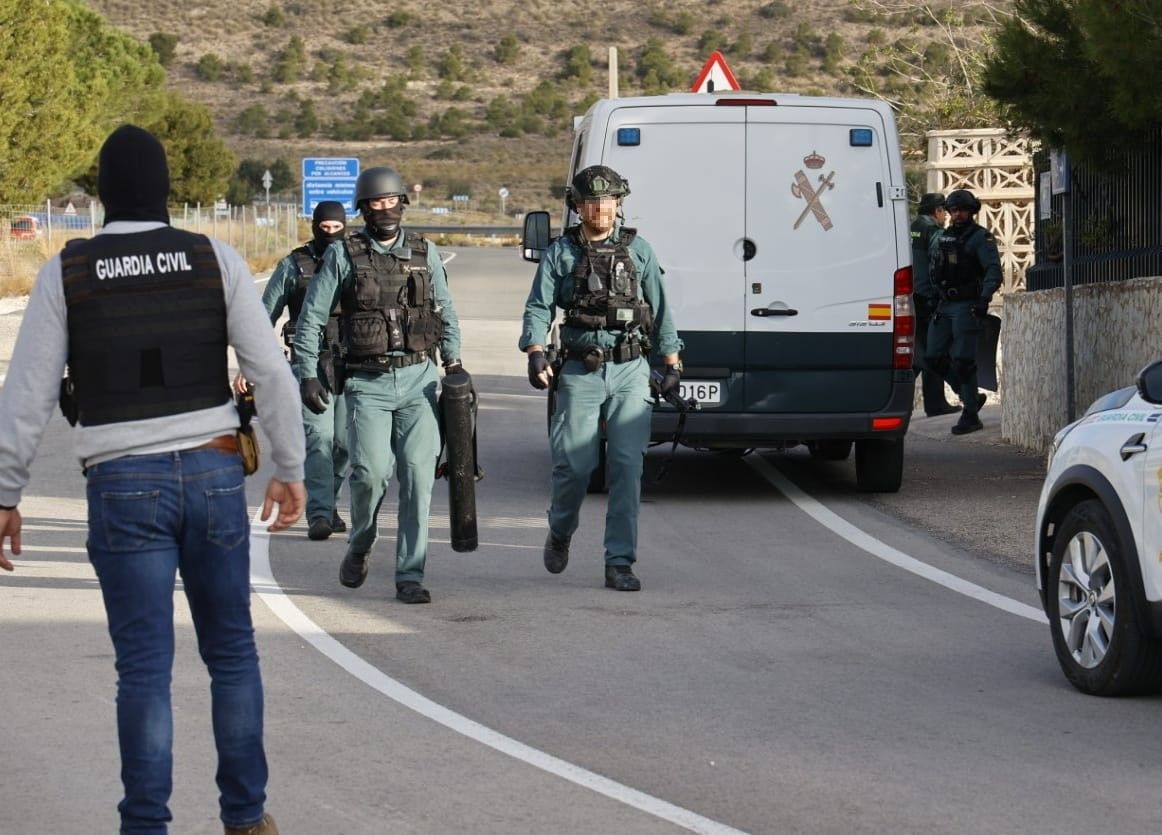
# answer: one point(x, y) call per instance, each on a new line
point(715, 75)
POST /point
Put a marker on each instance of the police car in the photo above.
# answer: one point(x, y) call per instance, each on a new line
point(1099, 542)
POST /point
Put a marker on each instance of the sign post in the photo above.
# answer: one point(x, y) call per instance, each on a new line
point(267, 182)
point(329, 178)
point(417, 188)
point(503, 196)
point(1059, 184)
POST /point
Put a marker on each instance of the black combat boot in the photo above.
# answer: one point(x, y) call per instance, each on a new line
point(556, 553)
point(412, 592)
point(621, 577)
point(353, 570)
point(337, 524)
point(319, 528)
point(966, 424)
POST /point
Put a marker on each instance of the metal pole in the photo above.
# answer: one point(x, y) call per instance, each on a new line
point(613, 72)
point(1067, 280)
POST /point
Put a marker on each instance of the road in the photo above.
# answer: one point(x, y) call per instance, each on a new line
point(802, 658)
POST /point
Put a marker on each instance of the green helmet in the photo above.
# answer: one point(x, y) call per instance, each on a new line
point(596, 181)
point(379, 182)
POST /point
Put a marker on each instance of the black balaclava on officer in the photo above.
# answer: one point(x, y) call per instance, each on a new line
point(133, 176)
point(328, 210)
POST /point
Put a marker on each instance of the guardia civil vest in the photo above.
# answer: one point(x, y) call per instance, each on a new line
point(956, 272)
point(147, 325)
point(606, 286)
point(308, 263)
point(389, 304)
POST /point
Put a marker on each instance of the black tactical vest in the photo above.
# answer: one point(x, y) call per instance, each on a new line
point(389, 305)
point(606, 286)
point(308, 263)
point(147, 325)
point(956, 272)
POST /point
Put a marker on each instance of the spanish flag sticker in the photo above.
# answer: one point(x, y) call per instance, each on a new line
point(879, 311)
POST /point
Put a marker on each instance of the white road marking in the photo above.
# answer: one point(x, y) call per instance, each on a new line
point(877, 548)
point(267, 588)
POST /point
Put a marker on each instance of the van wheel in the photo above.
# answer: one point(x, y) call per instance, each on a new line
point(879, 465)
point(830, 450)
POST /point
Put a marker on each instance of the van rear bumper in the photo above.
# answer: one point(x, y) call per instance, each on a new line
point(723, 430)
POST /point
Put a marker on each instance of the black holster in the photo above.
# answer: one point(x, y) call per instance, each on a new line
point(68, 401)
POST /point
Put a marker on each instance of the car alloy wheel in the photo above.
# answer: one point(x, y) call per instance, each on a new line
point(1086, 599)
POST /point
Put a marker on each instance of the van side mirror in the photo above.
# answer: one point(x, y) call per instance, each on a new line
point(536, 237)
point(1150, 383)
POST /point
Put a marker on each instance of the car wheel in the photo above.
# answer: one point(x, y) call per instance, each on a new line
point(1102, 647)
point(879, 465)
point(829, 450)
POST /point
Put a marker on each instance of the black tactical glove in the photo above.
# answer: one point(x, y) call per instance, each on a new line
point(314, 395)
point(538, 364)
point(454, 367)
point(980, 308)
point(670, 381)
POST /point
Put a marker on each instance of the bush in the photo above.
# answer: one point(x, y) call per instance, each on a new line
point(579, 65)
point(163, 45)
point(209, 67)
point(508, 50)
point(274, 16)
point(710, 40)
point(775, 10)
point(357, 35)
point(398, 19)
point(253, 121)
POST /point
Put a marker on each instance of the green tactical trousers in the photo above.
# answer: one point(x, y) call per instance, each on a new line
point(617, 394)
point(393, 429)
point(326, 459)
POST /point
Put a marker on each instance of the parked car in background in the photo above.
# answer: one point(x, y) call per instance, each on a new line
point(1099, 542)
point(24, 228)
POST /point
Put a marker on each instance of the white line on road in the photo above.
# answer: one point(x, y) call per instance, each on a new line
point(877, 548)
point(267, 588)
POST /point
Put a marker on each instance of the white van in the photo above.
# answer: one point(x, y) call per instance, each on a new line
point(781, 222)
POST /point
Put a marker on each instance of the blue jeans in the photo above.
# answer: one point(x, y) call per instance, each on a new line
point(151, 516)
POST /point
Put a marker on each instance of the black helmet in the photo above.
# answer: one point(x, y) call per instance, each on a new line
point(379, 182)
point(962, 198)
point(595, 181)
point(930, 202)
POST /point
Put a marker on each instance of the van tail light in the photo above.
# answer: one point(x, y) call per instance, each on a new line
point(903, 319)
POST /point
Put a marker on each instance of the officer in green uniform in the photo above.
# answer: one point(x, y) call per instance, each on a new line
point(607, 281)
point(395, 312)
point(327, 432)
point(929, 223)
point(965, 269)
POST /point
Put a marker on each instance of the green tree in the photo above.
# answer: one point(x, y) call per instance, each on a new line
point(200, 165)
point(69, 78)
point(253, 121)
point(656, 69)
point(163, 45)
point(291, 62)
point(451, 66)
point(1080, 74)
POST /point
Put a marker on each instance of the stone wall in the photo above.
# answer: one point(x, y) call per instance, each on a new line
point(1117, 330)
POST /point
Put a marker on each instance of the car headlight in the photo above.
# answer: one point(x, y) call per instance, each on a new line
point(1056, 444)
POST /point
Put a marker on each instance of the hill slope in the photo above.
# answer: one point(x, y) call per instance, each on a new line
point(475, 97)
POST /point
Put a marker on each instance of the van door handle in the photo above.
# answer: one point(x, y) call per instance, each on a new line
point(1133, 446)
point(774, 311)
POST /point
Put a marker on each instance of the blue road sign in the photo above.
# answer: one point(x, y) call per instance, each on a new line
point(329, 178)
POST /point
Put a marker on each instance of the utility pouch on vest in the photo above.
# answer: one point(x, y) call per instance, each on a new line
point(367, 334)
point(247, 438)
point(395, 340)
point(593, 358)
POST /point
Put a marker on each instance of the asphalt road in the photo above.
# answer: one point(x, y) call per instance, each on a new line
point(802, 658)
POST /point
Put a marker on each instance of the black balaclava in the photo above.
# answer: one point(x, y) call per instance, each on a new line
point(328, 210)
point(132, 176)
point(383, 224)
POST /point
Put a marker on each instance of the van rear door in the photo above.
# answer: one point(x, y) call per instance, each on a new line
point(687, 172)
point(820, 220)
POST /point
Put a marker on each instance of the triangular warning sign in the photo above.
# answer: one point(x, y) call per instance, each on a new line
point(715, 75)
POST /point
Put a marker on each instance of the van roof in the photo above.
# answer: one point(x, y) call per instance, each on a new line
point(712, 99)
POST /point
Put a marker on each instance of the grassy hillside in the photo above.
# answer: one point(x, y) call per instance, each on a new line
point(476, 96)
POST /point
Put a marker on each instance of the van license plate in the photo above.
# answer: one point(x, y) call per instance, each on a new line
point(708, 393)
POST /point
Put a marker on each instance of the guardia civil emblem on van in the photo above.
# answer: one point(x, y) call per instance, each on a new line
point(813, 194)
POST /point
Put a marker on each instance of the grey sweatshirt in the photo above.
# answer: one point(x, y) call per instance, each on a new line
point(29, 395)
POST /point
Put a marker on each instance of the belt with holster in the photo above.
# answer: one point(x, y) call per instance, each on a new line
point(386, 362)
point(622, 352)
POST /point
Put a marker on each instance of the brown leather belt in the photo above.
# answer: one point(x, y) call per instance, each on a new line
point(223, 443)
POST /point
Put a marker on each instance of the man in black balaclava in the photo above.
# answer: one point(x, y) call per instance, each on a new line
point(326, 431)
point(144, 317)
